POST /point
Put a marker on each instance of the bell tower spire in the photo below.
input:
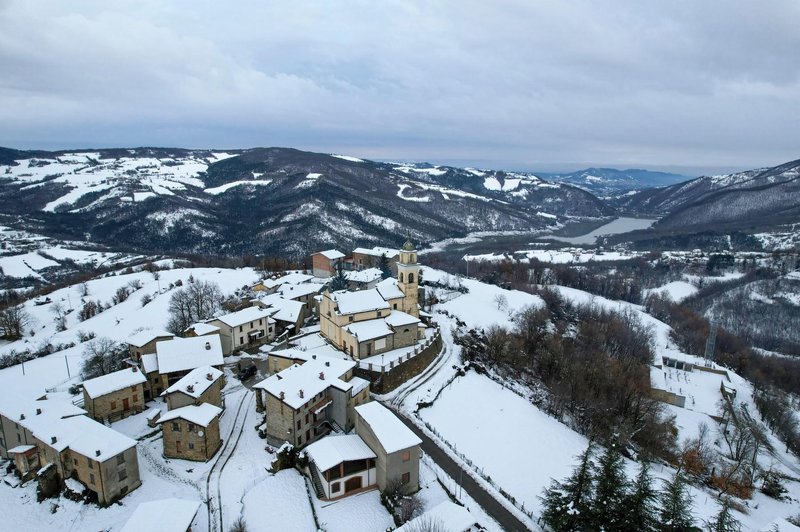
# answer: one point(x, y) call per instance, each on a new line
point(408, 278)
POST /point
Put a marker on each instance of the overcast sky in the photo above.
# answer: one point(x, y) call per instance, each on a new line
point(541, 85)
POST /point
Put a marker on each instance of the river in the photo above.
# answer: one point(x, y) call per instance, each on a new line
point(620, 225)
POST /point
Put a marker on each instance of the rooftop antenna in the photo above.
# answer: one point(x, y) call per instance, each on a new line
point(711, 341)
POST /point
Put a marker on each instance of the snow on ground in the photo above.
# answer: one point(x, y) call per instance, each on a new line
point(227, 186)
point(26, 265)
point(421, 199)
point(479, 307)
point(348, 158)
point(556, 256)
point(676, 290)
point(505, 436)
point(365, 509)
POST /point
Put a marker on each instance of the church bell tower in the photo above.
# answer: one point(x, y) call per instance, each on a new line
point(408, 278)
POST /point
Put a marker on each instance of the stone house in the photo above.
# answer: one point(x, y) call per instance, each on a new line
point(191, 432)
point(101, 458)
point(395, 445)
point(201, 385)
point(287, 313)
point(363, 279)
point(365, 258)
point(304, 293)
point(341, 465)
point(178, 357)
point(116, 395)
point(244, 329)
point(324, 263)
point(305, 402)
point(200, 329)
point(149, 367)
point(19, 418)
point(144, 342)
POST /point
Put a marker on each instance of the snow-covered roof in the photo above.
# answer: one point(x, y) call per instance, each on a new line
point(392, 434)
point(363, 276)
point(165, 515)
point(201, 414)
point(388, 289)
point(378, 251)
point(333, 450)
point(113, 382)
point(358, 384)
point(369, 330)
point(448, 515)
point(361, 301)
point(311, 378)
point(291, 291)
point(234, 319)
point(86, 437)
point(202, 328)
point(309, 354)
point(142, 338)
point(291, 278)
point(331, 254)
point(399, 319)
point(196, 382)
point(35, 414)
point(149, 362)
point(281, 309)
point(181, 354)
point(19, 449)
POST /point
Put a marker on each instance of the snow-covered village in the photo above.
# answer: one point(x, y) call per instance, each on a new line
point(399, 266)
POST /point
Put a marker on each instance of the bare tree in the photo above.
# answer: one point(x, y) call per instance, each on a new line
point(13, 321)
point(102, 356)
point(60, 313)
point(199, 300)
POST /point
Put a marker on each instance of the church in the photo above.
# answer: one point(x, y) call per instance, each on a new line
point(378, 320)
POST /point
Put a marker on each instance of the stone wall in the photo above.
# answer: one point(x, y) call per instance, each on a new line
point(387, 381)
point(193, 445)
point(112, 406)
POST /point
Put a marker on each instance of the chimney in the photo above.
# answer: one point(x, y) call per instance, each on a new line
point(97, 452)
point(279, 376)
point(21, 417)
point(301, 393)
point(134, 369)
point(314, 357)
point(38, 411)
point(282, 396)
point(327, 362)
point(190, 388)
point(321, 376)
point(209, 377)
point(53, 440)
point(208, 346)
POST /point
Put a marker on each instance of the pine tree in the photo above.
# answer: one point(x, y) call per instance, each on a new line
point(386, 270)
point(567, 504)
point(676, 506)
point(611, 489)
point(724, 520)
point(339, 281)
point(641, 510)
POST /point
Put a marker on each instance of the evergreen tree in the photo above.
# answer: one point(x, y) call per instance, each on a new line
point(386, 270)
point(676, 506)
point(339, 281)
point(610, 492)
point(641, 510)
point(724, 520)
point(567, 505)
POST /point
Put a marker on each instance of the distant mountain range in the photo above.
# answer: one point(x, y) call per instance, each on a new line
point(611, 182)
point(287, 202)
point(756, 199)
point(268, 200)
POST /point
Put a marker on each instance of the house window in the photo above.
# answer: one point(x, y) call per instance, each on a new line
point(191, 445)
point(379, 313)
point(75, 461)
point(135, 397)
point(191, 427)
point(410, 277)
point(307, 417)
point(113, 405)
point(90, 464)
point(241, 328)
point(406, 478)
point(394, 306)
point(241, 339)
point(336, 487)
point(176, 427)
point(350, 318)
point(123, 475)
point(299, 421)
point(120, 459)
point(406, 456)
point(91, 478)
point(261, 321)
